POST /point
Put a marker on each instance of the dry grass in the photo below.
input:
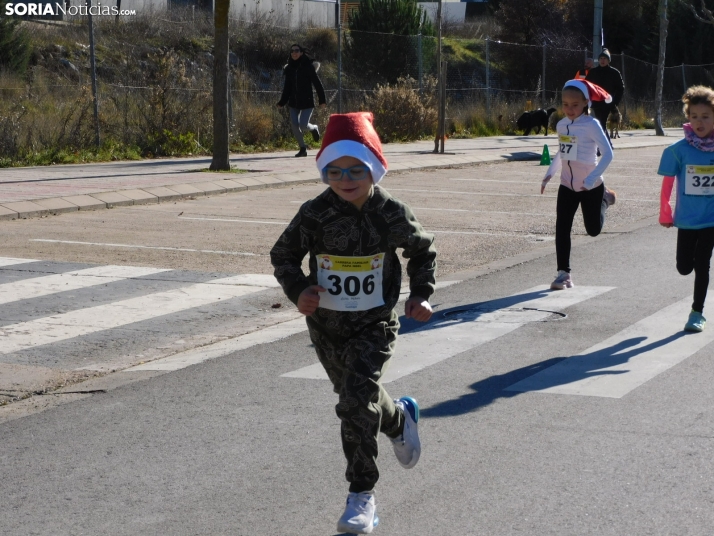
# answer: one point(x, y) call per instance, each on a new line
point(154, 86)
point(401, 113)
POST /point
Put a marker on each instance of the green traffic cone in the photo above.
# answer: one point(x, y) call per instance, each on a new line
point(545, 157)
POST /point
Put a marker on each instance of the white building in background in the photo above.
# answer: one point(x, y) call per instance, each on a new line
point(291, 13)
point(451, 10)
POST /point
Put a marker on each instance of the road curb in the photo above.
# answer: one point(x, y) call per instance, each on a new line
point(43, 207)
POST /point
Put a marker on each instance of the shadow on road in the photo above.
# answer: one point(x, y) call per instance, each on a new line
point(468, 312)
point(492, 388)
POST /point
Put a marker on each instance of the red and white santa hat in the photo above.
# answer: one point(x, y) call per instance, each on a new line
point(592, 92)
point(353, 135)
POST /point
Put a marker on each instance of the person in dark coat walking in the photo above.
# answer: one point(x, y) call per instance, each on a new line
point(610, 80)
point(300, 76)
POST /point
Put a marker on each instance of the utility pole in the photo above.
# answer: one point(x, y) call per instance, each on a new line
point(338, 24)
point(221, 127)
point(93, 66)
point(663, 23)
point(439, 141)
point(597, 29)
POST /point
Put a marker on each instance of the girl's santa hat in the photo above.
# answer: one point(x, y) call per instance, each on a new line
point(353, 135)
point(592, 92)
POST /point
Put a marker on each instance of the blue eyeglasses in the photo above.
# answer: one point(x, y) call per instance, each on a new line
point(354, 173)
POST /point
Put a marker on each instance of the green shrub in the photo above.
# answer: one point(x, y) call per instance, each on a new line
point(168, 143)
point(382, 43)
point(401, 113)
point(15, 45)
point(322, 42)
point(255, 126)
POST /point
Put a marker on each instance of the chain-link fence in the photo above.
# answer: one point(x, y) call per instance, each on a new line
point(155, 82)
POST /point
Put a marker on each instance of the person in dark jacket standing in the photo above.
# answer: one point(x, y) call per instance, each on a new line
point(610, 80)
point(300, 75)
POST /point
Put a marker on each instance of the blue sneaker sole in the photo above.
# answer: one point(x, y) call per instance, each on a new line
point(412, 407)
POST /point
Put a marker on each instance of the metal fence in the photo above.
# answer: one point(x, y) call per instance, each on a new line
point(483, 71)
point(161, 94)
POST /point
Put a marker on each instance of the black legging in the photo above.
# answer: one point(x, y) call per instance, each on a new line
point(601, 112)
point(694, 250)
point(593, 206)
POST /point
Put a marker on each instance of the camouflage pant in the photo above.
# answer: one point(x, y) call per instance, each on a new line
point(355, 366)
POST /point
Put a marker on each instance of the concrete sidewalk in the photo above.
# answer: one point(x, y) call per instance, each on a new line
point(41, 191)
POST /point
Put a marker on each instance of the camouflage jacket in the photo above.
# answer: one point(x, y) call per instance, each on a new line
point(330, 225)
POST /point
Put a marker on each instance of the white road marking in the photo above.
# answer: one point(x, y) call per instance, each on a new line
point(258, 280)
point(450, 192)
point(486, 211)
point(263, 336)
point(233, 220)
point(446, 338)
point(220, 349)
point(16, 337)
point(537, 237)
point(533, 182)
point(135, 246)
point(637, 200)
point(52, 284)
point(617, 365)
point(8, 261)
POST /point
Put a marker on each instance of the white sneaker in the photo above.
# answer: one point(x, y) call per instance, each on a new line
point(407, 446)
point(360, 515)
point(562, 281)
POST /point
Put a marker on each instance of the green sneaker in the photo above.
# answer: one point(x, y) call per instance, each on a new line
point(696, 322)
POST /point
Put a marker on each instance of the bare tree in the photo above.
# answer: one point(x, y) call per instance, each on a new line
point(221, 159)
point(706, 16)
point(663, 23)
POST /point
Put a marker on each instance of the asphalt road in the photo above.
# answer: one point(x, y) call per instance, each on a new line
point(586, 411)
point(479, 213)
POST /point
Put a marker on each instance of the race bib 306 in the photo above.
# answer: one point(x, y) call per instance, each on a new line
point(352, 283)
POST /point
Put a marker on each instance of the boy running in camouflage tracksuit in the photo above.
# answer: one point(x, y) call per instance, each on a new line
point(351, 232)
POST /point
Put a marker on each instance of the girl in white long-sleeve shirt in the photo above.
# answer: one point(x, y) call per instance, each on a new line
point(581, 184)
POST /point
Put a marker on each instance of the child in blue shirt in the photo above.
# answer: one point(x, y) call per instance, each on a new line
point(691, 161)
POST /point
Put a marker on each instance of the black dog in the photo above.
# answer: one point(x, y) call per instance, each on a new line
point(534, 120)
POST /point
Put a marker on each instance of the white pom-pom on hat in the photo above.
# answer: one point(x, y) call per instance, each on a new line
point(352, 134)
point(592, 92)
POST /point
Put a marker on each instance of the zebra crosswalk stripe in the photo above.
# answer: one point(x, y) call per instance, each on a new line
point(220, 349)
point(623, 362)
point(75, 280)
point(438, 341)
point(8, 261)
point(296, 324)
point(56, 328)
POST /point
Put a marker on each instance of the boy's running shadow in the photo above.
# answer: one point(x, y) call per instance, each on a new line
point(490, 389)
point(471, 312)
